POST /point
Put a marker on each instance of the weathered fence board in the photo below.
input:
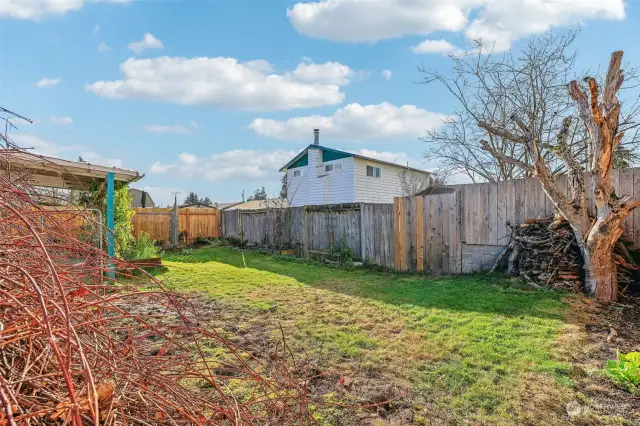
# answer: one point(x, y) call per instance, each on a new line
point(377, 234)
point(427, 234)
point(193, 223)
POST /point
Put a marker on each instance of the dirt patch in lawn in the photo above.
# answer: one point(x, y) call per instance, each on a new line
point(595, 332)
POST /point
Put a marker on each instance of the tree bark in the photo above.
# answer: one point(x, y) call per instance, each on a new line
point(601, 278)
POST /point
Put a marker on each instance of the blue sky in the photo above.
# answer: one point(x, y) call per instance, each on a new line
point(214, 96)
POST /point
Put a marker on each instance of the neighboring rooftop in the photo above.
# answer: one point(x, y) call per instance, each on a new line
point(140, 198)
point(259, 204)
point(336, 154)
point(58, 173)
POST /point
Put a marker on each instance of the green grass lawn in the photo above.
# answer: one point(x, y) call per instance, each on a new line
point(475, 349)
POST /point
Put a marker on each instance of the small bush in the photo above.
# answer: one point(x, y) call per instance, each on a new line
point(343, 252)
point(625, 371)
point(142, 247)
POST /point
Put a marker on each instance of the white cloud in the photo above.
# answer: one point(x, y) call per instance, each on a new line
point(62, 121)
point(219, 82)
point(391, 157)
point(93, 158)
point(240, 164)
point(327, 73)
point(39, 9)
point(176, 129)
point(41, 146)
point(103, 47)
point(149, 41)
point(435, 46)
point(507, 21)
point(354, 123)
point(373, 20)
point(160, 169)
point(46, 82)
point(386, 74)
point(499, 21)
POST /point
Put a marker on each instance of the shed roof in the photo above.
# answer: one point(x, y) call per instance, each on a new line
point(258, 204)
point(345, 154)
point(58, 173)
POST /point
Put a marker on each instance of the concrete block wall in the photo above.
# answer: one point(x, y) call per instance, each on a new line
point(479, 257)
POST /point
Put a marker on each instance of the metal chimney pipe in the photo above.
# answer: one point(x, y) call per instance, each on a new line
point(316, 136)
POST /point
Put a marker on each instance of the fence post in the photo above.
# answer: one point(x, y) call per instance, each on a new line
point(240, 229)
point(305, 241)
point(362, 237)
point(188, 225)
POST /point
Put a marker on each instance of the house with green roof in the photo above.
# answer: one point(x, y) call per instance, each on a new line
point(322, 175)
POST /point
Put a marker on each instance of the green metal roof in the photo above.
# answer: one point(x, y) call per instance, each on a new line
point(330, 154)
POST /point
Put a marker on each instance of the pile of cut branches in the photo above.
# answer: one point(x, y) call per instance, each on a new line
point(545, 253)
point(76, 347)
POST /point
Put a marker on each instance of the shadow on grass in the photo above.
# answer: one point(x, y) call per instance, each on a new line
point(483, 293)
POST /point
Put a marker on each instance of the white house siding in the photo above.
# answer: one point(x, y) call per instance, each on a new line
point(319, 187)
point(376, 190)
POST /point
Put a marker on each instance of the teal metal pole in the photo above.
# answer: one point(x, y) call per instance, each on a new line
point(111, 246)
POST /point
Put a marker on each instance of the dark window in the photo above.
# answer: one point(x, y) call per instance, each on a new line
point(328, 167)
point(373, 171)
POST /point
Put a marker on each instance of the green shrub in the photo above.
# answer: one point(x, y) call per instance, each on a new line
point(342, 252)
point(142, 247)
point(122, 214)
point(625, 371)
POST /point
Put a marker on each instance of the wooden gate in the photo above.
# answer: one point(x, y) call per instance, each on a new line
point(427, 234)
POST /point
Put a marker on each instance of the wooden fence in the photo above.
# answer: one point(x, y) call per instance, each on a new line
point(489, 208)
point(316, 229)
point(427, 234)
point(461, 231)
point(193, 223)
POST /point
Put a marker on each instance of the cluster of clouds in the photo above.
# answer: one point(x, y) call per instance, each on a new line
point(42, 146)
point(258, 85)
point(499, 22)
point(248, 164)
point(228, 83)
point(354, 123)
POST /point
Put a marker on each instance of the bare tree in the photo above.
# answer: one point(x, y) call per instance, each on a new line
point(490, 87)
point(599, 116)
point(416, 183)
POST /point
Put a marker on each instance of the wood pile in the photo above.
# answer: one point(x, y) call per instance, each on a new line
point(545, 253)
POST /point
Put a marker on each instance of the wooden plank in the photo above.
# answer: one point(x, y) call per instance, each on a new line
point(626, 187)
point(402, 221)
point(305, 241)
point(519, 209)
point(411, 232)
point(188, 224)
point(530, 198)
point(456, 234)
point(437, 210)
point(363, 231)
point(502, 213)
point(492, 213)
point(419, 219)
point(445, 203)
point(396, 232)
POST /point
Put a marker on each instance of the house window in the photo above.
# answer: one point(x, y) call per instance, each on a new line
point(328, 167)
point(373, 171)
point(297, 173)
point(338, 166)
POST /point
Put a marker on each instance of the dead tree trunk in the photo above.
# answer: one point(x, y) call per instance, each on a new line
point(600, 116)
